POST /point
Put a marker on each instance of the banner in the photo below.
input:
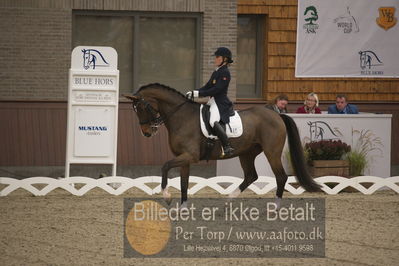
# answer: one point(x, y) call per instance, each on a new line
point(347, 38)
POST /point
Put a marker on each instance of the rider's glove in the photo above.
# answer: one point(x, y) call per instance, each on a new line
point(192, 94)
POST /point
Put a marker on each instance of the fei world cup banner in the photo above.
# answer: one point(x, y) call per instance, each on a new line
point(347, 38)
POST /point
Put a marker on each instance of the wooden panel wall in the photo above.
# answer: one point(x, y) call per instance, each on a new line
point(34, 134)
point(279, 72)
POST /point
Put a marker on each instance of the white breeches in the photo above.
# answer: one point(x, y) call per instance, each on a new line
point(215, 115)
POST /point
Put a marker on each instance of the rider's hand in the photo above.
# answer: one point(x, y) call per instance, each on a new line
point(192, 94)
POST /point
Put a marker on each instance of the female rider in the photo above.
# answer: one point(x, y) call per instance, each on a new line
point(220, 105)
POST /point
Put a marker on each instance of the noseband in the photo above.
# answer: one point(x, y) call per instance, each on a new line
point(156, 118)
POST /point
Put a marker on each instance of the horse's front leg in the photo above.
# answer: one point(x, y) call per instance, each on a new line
point(183, 160)
point(184, 176)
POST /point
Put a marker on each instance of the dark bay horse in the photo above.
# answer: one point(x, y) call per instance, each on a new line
point(264, 130)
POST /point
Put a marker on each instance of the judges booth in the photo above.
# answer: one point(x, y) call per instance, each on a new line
point(355, 130)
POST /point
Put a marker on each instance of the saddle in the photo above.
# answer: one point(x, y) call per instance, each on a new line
point(233, 129)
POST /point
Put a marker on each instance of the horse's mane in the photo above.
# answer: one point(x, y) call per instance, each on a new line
point(164, 87)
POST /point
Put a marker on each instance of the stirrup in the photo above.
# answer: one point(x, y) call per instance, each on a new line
point(227, 151)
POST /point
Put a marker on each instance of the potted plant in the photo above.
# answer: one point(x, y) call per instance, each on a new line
point(357, 162)
point(326, 157)
point(362, 152)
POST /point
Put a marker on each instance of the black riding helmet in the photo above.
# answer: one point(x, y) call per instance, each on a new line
point(224, 52)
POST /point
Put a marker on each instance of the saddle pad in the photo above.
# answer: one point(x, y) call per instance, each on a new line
point(235, 125)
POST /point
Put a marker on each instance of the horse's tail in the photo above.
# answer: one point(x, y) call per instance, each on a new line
point(298, 157)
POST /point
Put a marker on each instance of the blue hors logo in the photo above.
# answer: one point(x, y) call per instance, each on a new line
point(93, 58)
point(320, 130)
point(347, 22)
point(368, 61)
point(93, 130)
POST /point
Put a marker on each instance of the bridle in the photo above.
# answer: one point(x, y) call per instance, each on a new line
point(156, 119)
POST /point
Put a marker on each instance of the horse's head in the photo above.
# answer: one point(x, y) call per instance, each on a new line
point(86, 58)
point(316, 132)
point(147, 111)
point(363, 60)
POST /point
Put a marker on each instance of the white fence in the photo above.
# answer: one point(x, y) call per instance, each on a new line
point(224, 185)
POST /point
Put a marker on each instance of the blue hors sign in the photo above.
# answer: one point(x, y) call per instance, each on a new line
point(92, 106)
point(94, 81)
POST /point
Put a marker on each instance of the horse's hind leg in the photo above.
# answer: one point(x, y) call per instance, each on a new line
point(184, 176)
point(247, 161)
point(281, 176)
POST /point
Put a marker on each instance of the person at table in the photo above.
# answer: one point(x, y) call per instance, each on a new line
point(342, 106)
point(310, 106)
point(279, 104)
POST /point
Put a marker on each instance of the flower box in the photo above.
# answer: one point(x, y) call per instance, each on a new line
point(329, 168)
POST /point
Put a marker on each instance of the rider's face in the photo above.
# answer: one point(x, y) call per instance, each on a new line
point(218, 60)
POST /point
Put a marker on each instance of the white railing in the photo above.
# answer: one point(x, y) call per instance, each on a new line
point(117, 185)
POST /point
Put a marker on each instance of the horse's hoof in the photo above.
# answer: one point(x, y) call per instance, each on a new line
point(235, 193)
point(183, 205)
point(168, 201)
point(167, 196)
point(278, 203)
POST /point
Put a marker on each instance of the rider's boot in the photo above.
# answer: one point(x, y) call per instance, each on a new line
point(221, 133)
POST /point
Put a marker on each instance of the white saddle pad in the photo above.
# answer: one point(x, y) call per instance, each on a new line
point(233, 131)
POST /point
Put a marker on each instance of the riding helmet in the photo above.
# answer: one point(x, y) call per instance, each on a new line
point(225, 52)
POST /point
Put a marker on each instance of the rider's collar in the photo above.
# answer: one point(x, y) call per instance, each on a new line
point(219, 67)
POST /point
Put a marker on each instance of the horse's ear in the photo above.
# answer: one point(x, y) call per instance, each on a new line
point(131, 97)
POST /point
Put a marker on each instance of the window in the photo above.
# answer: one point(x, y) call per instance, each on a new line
point(116, 32)
point(250, 42)
point(168, 52)
point(161, 48)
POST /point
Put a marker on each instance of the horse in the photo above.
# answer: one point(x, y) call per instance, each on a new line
point(264, 131)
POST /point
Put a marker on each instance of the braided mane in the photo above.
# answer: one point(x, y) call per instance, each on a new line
point(164, 87)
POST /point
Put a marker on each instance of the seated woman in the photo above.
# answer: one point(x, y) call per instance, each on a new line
point(279, 104)
point(310, 105)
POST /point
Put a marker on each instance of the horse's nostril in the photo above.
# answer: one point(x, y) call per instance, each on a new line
point(147, 134)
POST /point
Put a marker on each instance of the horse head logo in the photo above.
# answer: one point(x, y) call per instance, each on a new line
point(368, 59)
point(93, 58)
point(320, 130)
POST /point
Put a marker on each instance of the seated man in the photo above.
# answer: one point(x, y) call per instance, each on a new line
point(341, 106)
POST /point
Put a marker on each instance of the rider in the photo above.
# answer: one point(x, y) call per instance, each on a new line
point(216, 88)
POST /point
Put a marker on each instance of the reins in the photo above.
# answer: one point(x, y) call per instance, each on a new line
point(156, 119)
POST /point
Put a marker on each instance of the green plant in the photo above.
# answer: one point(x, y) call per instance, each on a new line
point(326, 150)
point(360, 155)
point(367, 142)
point(357, 163)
